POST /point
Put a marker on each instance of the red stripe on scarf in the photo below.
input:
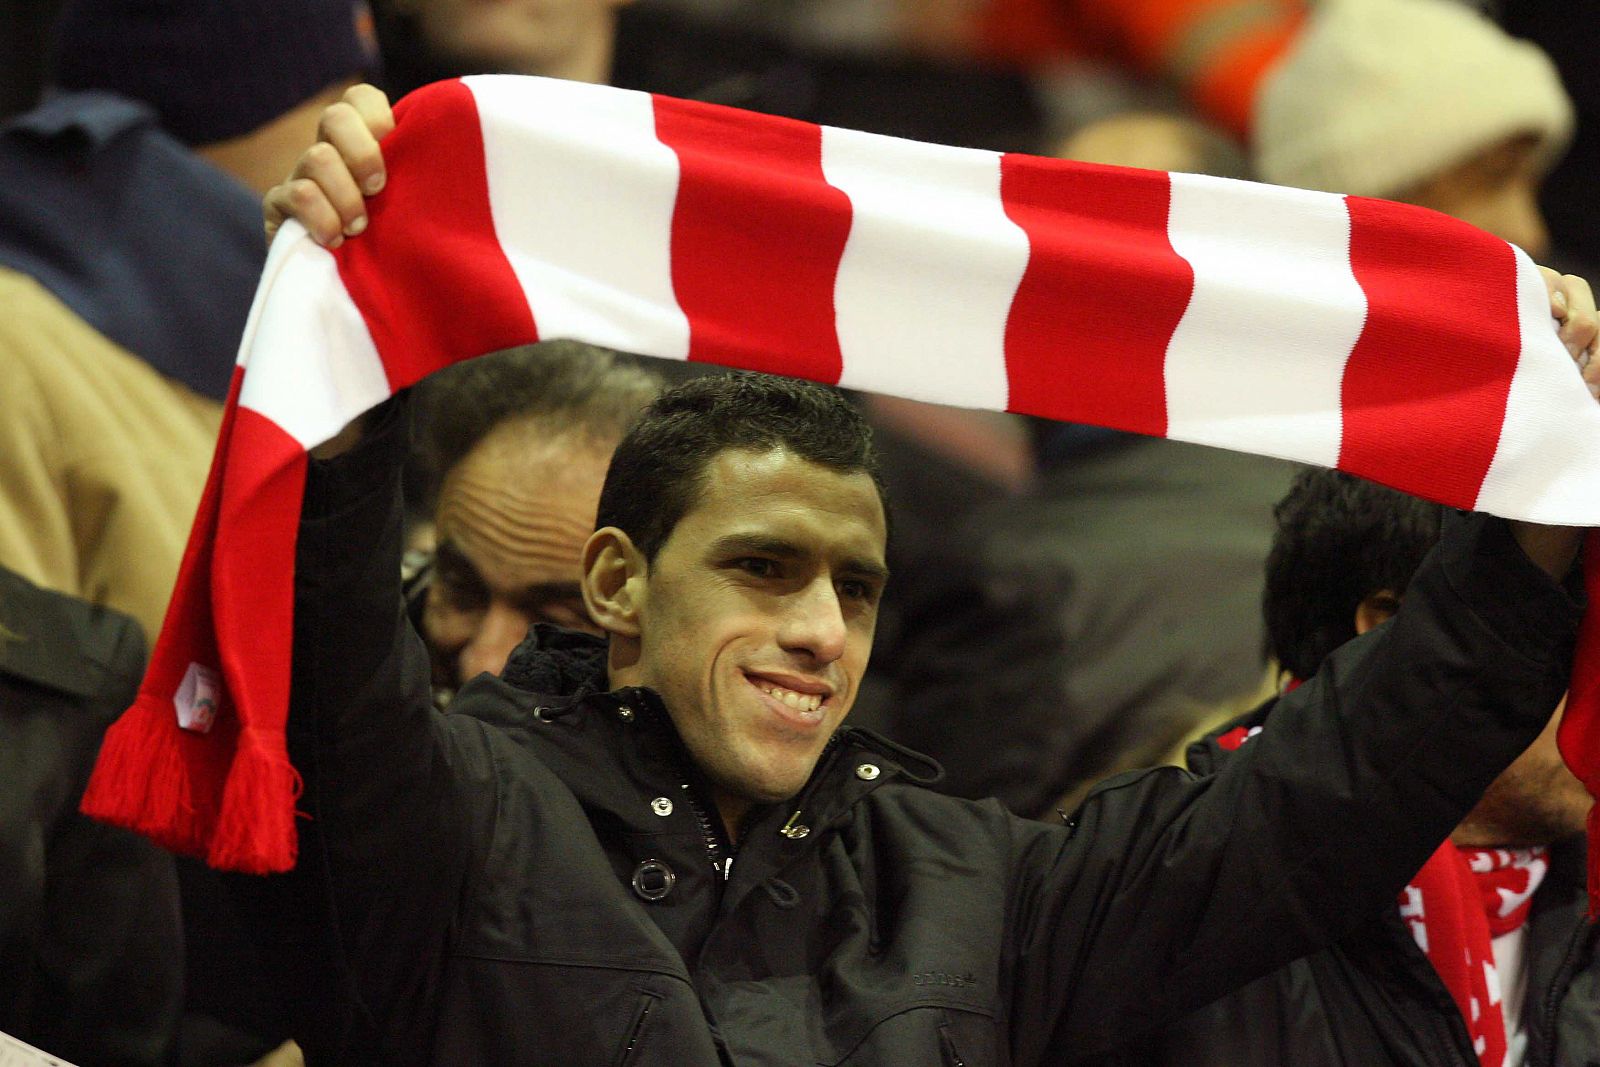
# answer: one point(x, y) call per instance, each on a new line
point(1099, 254)
point(422, 318)
point(756, 285)
point(252, 594)
point(1398, 375)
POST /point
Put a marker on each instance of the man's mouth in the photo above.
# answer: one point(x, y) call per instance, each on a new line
point(802, 696)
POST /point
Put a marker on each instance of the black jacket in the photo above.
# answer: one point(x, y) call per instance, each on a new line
point(91, 949)
point(485, 872)
point(1373, 999)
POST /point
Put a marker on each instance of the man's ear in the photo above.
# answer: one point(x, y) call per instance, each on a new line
point(1375, 610)
point(614, 577)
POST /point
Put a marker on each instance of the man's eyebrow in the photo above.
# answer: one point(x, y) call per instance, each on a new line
point(777, 547)
point(865, 568)
point(759, 543)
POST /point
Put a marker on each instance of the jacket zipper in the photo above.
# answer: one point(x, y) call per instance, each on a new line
point(717, 850)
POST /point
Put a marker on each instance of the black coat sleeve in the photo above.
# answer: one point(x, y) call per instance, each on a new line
point(1166, 890)
point(397, 795)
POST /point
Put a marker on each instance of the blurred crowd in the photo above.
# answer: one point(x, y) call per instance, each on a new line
point(1068, 602)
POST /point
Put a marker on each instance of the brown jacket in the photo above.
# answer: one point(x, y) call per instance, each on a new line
point(102, 459)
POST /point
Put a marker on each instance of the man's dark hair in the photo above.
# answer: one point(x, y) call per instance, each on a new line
point(574, 387)
point(1340, 539)
point(659, 469)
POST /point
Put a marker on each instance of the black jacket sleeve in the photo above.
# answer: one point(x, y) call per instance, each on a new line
point(1166, 890)
point(396, 794)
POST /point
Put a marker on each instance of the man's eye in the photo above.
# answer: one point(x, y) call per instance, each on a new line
point(463, 596)
point(857, 590)
point(758, 567)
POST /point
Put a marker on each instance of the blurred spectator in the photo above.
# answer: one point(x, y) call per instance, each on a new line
point(91, 950)
point(130, 248)
point(104, 458)
point(689, 53)
point(1213, 52)
point(169, 120)
point(1424, 101)
point(1505, 892)
point(519, 442)
point(426, 40)
point(1156, 140)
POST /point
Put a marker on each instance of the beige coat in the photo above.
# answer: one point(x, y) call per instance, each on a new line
point(102, 459)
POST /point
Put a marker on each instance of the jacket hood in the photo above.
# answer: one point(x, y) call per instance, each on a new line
point(557, 662)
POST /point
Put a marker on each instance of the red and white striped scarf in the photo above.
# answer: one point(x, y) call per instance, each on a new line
point(1386, 340)
point(1456, 905)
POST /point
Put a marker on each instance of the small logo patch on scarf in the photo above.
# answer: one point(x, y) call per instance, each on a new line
point(197, 697)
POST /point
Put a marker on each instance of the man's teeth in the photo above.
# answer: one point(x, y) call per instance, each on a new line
point(797, 701)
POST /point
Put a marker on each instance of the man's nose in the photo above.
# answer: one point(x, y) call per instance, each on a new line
point(815, 623)
point(500, 631)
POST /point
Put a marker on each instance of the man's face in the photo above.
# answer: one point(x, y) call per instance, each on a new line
point(1535, 801)
point(512, 519)
point(1496, 190)
point(570, 39)
point(757, 617)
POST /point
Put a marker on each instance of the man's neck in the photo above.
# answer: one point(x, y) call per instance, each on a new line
point(732, 811)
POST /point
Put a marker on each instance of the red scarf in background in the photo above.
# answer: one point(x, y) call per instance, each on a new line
point(1458, 903)
point(1386, 340)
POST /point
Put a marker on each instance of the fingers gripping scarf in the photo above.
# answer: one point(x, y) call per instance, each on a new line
point(1386, 340)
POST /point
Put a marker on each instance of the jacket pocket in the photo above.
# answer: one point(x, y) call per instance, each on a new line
point(633, 1041)
point(920, 1036)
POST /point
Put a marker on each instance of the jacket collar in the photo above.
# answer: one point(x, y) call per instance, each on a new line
point(564, 673)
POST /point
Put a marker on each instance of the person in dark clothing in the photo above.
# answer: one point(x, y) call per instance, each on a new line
point(91, 946)
point(664, 847)
point(512, 450)
point(1344, 559)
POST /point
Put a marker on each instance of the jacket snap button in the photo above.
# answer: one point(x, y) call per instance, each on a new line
point(867, 772)
point(625, 714)
point(661, 806)
point(653, 880)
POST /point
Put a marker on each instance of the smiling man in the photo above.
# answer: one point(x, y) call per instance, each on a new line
point(748, 593)
point(662, 846)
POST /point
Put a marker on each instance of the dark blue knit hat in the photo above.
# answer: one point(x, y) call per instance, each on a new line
point(213, 69)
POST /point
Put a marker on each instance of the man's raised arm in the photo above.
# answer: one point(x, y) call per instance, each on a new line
point(393, 790)
point(1175, 890)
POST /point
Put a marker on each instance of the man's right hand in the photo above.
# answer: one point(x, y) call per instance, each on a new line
point(327, 190)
